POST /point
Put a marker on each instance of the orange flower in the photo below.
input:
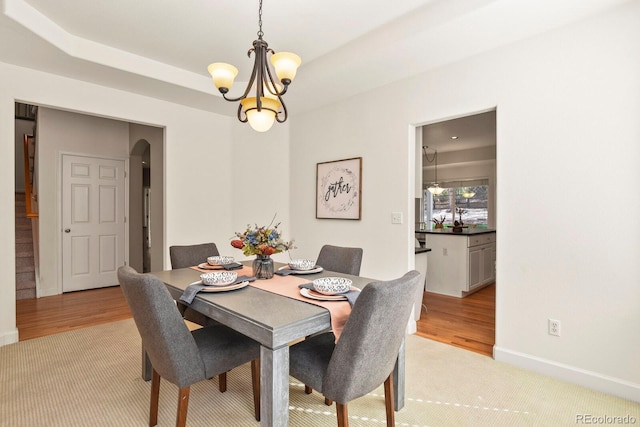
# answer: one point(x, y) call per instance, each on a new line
point(268, 250)
point(237, 244)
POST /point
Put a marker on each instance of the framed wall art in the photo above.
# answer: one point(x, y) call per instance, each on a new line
point(339, 189)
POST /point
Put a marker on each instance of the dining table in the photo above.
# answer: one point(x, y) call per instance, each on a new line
point(273, 320)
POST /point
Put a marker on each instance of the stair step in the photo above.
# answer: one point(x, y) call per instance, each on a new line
point(23, 234)
point(24, 254)
point(30, 284)
point(25, 277)
point(24, 248)
point(25, 294)
point(25, 264)
point(24, 240)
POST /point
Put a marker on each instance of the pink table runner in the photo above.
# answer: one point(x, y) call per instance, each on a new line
point(288, 286)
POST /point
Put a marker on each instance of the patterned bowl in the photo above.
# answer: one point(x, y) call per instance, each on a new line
point(218, 278)
point(332, 285)
point(302, 264)
point(220, 260)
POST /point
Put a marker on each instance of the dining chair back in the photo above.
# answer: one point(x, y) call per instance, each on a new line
point(188, 256)
point(178, 355)
point(365, 355)
point(340, 259)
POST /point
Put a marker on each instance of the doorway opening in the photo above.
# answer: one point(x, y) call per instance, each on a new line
point(64, 131)
point(466, 170)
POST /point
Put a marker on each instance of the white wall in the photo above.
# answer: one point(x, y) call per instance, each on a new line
point(199, 167)
point(65, 132)
point(567, 125)
point(261, 168)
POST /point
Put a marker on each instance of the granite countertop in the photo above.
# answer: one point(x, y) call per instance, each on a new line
point(464, 232)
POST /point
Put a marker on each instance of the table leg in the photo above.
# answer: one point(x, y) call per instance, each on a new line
point(274, 386)
point(146, 366)
point(399, 379)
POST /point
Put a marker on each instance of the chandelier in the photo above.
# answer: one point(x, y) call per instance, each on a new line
point(434, 188)
point(267, 105)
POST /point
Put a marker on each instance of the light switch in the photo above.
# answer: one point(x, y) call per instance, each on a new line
point(396, 217)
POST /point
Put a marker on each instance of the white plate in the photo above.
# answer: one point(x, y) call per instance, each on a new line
point(318, 269)
point(308, 293)
point(207, 266)
point(225, 288)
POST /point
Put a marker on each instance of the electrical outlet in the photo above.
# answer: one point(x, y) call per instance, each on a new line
point(396, 217)
point(554, 327)
point(445, 252)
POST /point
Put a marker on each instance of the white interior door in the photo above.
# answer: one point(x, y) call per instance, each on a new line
point(93, 221)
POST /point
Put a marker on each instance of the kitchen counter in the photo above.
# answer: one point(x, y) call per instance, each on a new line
point(422, 250)
point(464, 232)
point(462, 265)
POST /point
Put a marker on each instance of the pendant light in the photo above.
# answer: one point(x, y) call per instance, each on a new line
point(267, 106)
point(434, 188)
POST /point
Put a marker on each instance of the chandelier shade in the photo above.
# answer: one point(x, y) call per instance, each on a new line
point(260, 119)
point(435, 189)
point(267, 106)
point(222, 74)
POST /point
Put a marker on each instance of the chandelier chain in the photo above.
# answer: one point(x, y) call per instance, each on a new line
point(424, 150)
point(260, 33)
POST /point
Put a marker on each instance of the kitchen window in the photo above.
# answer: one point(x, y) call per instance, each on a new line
point(471, 196)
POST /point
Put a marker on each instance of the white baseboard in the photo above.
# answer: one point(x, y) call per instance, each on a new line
point(9, 337)
point(571, 374)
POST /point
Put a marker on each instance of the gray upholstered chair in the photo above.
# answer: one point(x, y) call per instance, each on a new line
point(176, 354)
point(188, 256)
point(366, 352)
point(340, 259)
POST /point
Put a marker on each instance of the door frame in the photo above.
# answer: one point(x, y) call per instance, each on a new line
point(59, 208)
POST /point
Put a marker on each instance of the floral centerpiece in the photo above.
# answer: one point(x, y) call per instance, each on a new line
point(262, 242)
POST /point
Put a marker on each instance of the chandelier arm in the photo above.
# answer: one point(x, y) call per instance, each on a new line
point(284, 112)
point(272, 80)
point(249, 84)
point(260, 64)
point(246, 119)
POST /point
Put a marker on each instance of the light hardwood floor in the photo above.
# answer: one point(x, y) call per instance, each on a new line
point(468, 322)
point(39, 317)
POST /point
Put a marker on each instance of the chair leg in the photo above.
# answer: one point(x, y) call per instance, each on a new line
point(343, 415)
point(307, 389)
point(222, 382)
point(388, 400)
point(183, 405)
point(255, 382)
point(155, 394)
point(328, 402)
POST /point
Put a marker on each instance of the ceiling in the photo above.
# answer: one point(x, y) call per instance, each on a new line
point(470, 132)
point(161, 48)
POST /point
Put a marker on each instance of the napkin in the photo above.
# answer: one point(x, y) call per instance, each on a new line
point(192, 290)
point(352, 295)
point(284, 272)
point(232, 266)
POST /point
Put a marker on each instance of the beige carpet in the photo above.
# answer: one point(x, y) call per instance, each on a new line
point(91, 377)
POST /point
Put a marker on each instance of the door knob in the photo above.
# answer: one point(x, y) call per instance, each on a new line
point(67, 230)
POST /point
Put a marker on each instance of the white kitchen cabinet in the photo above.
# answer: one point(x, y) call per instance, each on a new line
point(481, 265)
point(460, 263)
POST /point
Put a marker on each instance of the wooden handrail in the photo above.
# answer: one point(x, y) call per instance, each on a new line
point(31, 195)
